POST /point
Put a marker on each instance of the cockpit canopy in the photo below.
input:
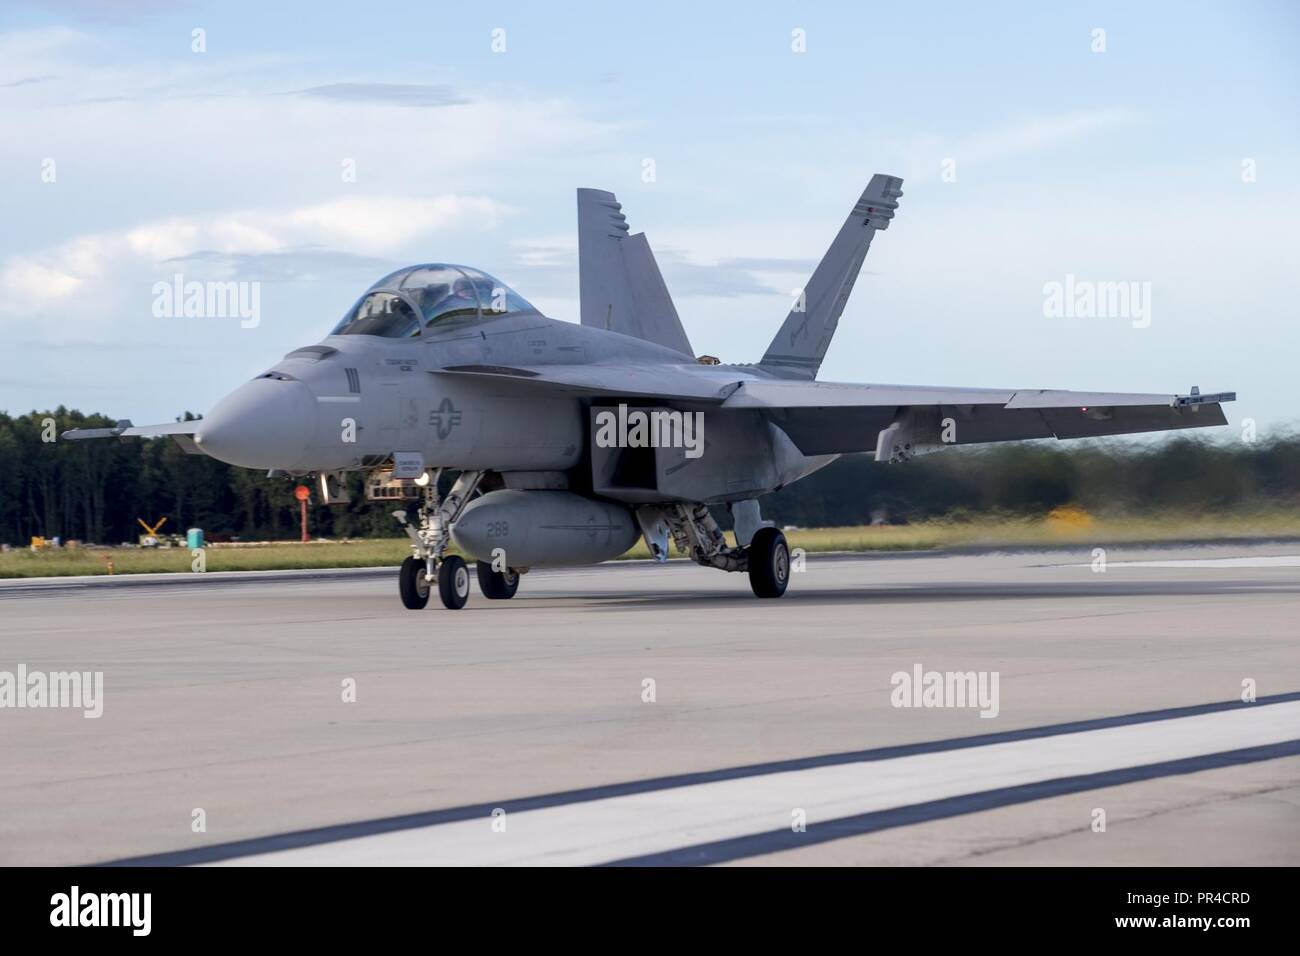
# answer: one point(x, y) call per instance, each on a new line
point(401, 305)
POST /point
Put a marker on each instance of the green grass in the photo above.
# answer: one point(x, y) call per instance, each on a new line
point(268, 557)
point(1066, 527)
point(1069, 529)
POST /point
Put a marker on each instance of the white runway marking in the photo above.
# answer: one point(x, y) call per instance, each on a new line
point(1262, 561)
point(621, 827)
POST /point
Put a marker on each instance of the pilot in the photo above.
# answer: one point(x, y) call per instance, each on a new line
point(430, 297)
point(442, 299)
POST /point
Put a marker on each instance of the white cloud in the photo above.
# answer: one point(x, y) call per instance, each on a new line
point(27, 281)
point(559, 251)
point(380, 225)
point(235, 132)
point(376, 225)
point(255, 164)
point(1022, 137)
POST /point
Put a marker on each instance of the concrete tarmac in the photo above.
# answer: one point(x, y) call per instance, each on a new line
point(661, 714)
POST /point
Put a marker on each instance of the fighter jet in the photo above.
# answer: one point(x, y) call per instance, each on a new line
point(569, 442)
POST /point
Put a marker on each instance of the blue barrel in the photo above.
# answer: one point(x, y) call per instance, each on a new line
point(194, 538)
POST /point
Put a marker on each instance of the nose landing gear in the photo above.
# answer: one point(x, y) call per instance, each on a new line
point(413, 585)
point(430, 561)
point(453, 582)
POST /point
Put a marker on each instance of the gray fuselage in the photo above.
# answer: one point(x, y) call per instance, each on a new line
point(354, 400)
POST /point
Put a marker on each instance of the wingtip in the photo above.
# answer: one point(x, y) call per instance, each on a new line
point(885, 186)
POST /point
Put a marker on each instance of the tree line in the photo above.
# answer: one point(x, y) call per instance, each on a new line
point(95, 490)
point(1115, 476)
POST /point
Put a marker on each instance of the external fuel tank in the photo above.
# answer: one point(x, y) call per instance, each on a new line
point(544, 528)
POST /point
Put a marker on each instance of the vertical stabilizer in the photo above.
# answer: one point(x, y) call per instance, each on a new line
point(801, 344)
point(620, 285)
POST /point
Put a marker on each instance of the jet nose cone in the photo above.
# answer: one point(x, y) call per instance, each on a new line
point(265, 423)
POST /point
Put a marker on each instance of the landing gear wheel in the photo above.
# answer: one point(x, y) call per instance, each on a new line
point(453, 582)
point(413, 585)
point(496, 585)
point(769, 563)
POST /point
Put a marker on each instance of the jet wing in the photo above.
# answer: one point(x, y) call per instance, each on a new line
point(898, 421)
point(630, 381)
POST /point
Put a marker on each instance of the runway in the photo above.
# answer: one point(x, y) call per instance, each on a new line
point(641, 715)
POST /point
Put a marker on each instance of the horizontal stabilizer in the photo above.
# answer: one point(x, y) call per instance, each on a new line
point(124, 429)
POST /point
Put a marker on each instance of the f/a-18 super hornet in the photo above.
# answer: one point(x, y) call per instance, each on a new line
point(569, 442)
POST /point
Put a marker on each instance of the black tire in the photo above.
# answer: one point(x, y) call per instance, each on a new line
point(453, 582)
point(769, 563)
point(496, 585)
point(413, 584)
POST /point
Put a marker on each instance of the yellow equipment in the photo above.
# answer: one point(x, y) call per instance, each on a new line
point(150, 537)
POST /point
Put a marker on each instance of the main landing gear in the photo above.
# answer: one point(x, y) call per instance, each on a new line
point(453, 582)
point(769, 563)
point(430, 564)
point(496, 585)
point(766, 558)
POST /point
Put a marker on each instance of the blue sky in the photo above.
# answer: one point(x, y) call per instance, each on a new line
point(1122, 165)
